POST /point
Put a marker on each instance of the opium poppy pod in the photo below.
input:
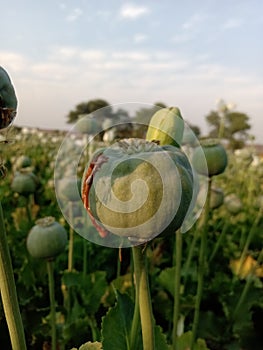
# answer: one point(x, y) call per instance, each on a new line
point(8, 100)
point(166, 127)
point(24, 183)
point(210, 158)
point(46, 239)
point(137, 189)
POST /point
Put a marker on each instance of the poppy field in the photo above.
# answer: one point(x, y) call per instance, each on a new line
point(199, 289)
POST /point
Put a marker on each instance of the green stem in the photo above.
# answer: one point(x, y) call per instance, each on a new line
point(202, 260)
point(189, 257)
point(71, 239)
point(144, 299)
point(218, 243)
point(28, 210)
point(176, 312)
point(51, 284)
point(8, 292)
point(136, 315)
point(85, 257)
point(93, 327)
point(118, 273)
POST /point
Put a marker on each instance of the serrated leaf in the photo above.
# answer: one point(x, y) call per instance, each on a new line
point(167, 279)
point(184, 342)
point(116, 325)
point(160, 339)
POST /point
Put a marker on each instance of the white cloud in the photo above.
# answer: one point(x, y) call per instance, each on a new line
point(194, 21)
point(74, 15)
point(182, 38)
point(132, 11)
point(139, 38)
point(13, 61)
point(91, 55)
point(131, 56)
point(232, 23)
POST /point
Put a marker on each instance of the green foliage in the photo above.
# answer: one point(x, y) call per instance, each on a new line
point(184, 342)
point(230, 125)
point(116, 325)
point(87, 308)
point(87, 108)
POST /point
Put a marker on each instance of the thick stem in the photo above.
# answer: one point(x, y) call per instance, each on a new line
point(51, 285)
point(8, 292)
point(144, 298)
point(178, 257)
point(202, 260)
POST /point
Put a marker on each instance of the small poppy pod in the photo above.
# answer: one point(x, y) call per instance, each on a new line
point(46, 239)
point(22, 162)
point(233, 203)
point(216, 198)
point(24, 183)
point(210, 158)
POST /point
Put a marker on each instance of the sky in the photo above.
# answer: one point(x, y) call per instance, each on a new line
point(185, 53)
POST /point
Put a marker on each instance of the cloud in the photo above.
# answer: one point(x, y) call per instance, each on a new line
point(132, 11)
point(139, 38)
point(182, 38)
point(232, 23)
point(194, 21)
point(131, 56)
point(14, 61)
point(68, 75)
point(74, 15)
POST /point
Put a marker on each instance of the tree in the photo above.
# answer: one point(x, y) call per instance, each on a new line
point(87, 108)
point(229, 125)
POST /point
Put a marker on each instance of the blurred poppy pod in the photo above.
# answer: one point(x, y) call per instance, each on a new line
point(233, 203)
point(216, 198)
point(215, 157)
point(8, 100)
point(24, 183)
point(46, 239)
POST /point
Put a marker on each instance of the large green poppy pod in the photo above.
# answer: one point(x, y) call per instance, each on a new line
point(46, 239)
point(137, 189)
point(8, 100)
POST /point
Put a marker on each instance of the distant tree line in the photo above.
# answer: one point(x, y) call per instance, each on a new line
point(225, 122)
